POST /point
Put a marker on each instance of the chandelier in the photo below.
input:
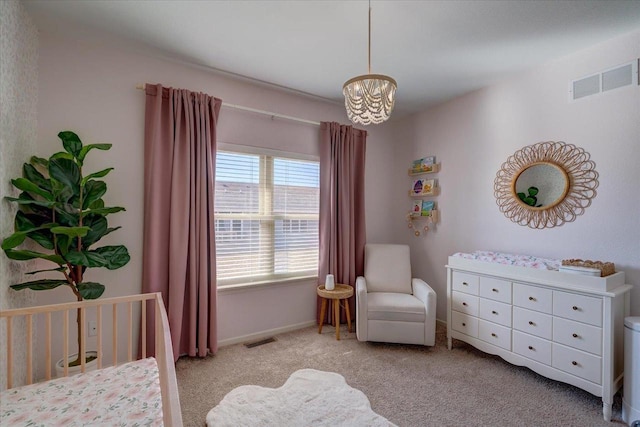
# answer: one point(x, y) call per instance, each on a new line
point(369, 98)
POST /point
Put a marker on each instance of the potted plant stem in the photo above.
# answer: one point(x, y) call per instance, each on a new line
point(64, 213)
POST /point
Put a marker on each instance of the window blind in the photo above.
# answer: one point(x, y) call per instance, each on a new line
point(266, 217)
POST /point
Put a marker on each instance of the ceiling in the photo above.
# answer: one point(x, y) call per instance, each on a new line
point(435, 50)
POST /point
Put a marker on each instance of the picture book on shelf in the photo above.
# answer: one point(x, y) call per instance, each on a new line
point(417, 187)
point(427, 186)
point(416, 208)
point(427, 207)
point(424, 164)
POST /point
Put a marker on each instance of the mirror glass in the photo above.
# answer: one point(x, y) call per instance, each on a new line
point(541, 185)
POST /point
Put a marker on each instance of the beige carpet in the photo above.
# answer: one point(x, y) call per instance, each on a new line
point(409, 385)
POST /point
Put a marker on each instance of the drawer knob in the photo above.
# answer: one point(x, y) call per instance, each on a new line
point(464, 324)
point(575, 308)
point(530, 347)
point(532, 299)
point(494, 312)
point(493, 335)
point(575, 335)
point(494, 290)
point(574, 363)
point(464, 303)
point(465, 283)
point(531, 323)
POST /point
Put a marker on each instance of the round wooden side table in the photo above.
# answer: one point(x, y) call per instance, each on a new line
point(340, 292)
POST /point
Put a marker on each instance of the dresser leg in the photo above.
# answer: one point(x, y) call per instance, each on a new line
point(449, 342)
point(606, 411)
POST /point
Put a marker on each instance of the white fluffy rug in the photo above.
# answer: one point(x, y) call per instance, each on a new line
point(307, 398)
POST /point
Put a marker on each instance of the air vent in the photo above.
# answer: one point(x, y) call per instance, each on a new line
point(604, 81)
point(261, 342)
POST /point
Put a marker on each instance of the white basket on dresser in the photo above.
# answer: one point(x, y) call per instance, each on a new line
point(564, 326)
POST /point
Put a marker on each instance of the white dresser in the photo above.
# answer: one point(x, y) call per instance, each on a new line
point(564, 326)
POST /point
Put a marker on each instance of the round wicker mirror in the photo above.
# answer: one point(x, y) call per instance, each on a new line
point(546, 184)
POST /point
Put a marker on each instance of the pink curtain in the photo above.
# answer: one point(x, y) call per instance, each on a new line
point(179, 258)
point(342, 224)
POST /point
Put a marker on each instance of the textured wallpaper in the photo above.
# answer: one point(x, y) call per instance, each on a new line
point(18, 131)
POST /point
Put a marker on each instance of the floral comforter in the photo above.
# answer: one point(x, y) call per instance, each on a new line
point(125, 395)
point(510, 259)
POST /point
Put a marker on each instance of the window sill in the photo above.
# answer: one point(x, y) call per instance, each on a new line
point(230, 289)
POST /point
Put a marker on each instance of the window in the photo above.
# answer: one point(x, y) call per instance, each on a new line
point(266, 217)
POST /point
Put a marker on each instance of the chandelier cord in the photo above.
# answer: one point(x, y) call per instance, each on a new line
point(369, 36)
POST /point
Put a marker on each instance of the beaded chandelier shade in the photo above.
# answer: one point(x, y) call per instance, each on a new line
point(369, 98)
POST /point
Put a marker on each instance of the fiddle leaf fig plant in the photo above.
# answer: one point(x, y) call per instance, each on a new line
point(531, 198)
point(63, 212)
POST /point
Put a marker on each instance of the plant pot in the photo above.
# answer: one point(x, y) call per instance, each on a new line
point(73, 370)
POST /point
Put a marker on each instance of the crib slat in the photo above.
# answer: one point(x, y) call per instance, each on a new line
point(9, 354)
point(99, 322)
point(144, 329)
point(29, 348)
point(83, 341)
point(65, 341)
point(130, 333)
point(48, 347)
point(115, 335)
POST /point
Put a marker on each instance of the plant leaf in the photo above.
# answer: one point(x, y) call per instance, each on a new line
point(14, 240)
point(71, 231)
point(533, 191)
point(98, 228)
point(71, 142)
point(40, 285)
point(22, 201)
point(116, 256)
point(87, 148)
point(39, 161)
point(33, 175)
point(100, 174)
point(50, 269)
point(87, 259)
point(25, 185)
point(529, 201)
point(43, 238)
point(21, 255)
point(66, 172)
point(105, 211)
point(93, 191)
point(90, 290)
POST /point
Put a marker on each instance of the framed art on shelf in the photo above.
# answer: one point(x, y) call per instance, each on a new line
point(425, 164)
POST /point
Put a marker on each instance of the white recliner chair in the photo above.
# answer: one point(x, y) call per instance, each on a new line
point(390, 305)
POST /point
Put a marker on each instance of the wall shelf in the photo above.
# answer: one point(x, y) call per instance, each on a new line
point(434, 192)
point(435, 169)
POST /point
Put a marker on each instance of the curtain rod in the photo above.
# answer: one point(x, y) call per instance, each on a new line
point(255, 110)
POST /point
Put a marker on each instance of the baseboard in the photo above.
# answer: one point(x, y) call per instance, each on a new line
point(264, 334)
point(442, 322)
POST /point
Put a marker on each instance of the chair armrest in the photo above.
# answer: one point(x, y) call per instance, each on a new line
point(427, 295)
point(422, 291)
point(361, 308)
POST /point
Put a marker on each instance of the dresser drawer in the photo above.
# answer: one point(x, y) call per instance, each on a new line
point(533, 297)
point(533, 322)
point(532, 347)
point(465, 282)
point(576, 362)
point(578, 335)
point(464, 303)
point(495, 289)
point(494, 311)
point(578, 307)
point(494, 334)
point(464, 323)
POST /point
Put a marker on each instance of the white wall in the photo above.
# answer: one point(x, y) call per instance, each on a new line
point(90, 88)
point(18, 127)
point(474, 134)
